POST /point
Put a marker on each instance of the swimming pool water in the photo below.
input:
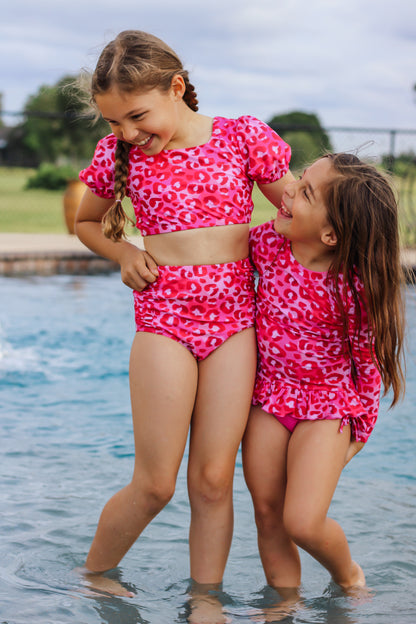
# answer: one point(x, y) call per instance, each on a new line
point(66, 446)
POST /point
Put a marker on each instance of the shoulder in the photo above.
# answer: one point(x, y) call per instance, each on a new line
point(255, 129)
point(264, 242)
point(266, 234)
point(104, 154)
point(245, 126)
point(355, 287)
point(108, 142)
point(249, 122)
point(266, 154)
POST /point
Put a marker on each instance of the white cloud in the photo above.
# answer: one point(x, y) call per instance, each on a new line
point(351, 62)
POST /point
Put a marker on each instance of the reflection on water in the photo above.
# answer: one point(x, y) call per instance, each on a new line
point(67, 446)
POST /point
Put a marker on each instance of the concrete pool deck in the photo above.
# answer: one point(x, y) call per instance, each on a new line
point(48, 254)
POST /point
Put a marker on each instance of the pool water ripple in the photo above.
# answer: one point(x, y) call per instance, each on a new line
point(67, 445)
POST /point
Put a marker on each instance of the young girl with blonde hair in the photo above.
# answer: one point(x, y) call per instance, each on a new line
point(193, 359)
point(330, 331)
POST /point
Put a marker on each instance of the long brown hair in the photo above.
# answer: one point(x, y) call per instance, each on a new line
point(363, 211)
point(134, 61)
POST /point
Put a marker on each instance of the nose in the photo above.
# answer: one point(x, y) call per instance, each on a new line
point(290, 188)
point(129, 132)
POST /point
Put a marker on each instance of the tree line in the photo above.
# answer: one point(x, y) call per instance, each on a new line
point(56, 129)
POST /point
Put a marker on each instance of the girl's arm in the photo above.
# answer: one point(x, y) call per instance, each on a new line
point(274, 191)
point(368, 382)
point(137, 267)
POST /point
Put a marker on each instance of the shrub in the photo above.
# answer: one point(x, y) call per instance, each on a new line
point(49, 176)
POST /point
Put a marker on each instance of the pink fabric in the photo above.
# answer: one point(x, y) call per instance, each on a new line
point(198, 306)
point(304, 369)
point(202, 186)
point(289, 422)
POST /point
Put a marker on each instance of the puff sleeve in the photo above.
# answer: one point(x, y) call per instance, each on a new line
point(99, 176)
point(267, 156)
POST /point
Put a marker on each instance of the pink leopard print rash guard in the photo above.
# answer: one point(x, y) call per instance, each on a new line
point(304, 368)
point(203, 186)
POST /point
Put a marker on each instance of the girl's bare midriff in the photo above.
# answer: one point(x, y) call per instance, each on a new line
point(211, 245)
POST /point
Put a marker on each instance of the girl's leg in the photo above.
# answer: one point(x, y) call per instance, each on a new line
point(225, 387)
point(265, 446)
point(316, 457)
point(163, 380)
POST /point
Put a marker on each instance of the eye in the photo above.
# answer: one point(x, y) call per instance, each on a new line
point(137, 117)
point(304, 190)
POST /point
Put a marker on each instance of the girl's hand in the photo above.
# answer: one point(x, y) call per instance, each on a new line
point(137, 268)
point(354, 448)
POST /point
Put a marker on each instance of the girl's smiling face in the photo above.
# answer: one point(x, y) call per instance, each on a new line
point(302, 216)
point(148, 119)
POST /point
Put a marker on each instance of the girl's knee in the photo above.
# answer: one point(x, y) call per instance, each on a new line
point(211, 484)
point(155, 491)
point(302, 528)
point(267, 514)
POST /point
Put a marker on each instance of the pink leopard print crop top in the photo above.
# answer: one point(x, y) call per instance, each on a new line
point(203, 186)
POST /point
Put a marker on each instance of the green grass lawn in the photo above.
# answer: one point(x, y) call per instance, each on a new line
point(41, 211)
point(34, 210)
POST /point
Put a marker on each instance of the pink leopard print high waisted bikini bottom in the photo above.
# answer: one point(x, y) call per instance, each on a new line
point(198, 306)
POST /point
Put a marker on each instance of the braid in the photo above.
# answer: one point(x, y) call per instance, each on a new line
point(190, 94)
point(115, 218)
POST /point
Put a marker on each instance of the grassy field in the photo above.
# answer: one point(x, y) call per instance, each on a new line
point(33, 210)
point(41, 211)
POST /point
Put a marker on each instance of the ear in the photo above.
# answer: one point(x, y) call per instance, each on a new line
point(328, 237)
point(178, 87)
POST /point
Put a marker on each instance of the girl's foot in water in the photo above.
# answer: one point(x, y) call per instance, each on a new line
point(357, 578)
point(290, 603)
point(357, 587)
point(205, 606)
point(99, 584)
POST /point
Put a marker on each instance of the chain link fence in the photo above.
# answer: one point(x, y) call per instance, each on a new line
point(387, 144)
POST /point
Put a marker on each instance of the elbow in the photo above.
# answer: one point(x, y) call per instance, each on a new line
point(77, 224)
point(80, 229)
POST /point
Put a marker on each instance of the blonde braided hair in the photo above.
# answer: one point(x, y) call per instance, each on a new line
point(115, 218)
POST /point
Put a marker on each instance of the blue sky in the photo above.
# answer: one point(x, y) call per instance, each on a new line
point(352, 62)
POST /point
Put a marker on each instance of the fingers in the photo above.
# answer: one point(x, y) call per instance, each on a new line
point(151, 265)
point(139, 270)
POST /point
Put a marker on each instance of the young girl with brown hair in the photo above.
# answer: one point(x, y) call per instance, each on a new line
point(193, 359)
point(329, 330)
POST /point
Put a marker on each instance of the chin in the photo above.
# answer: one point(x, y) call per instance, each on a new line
point(276, 226)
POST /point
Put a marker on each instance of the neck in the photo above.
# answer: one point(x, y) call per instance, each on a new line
point(194, 129)
point(312, 258)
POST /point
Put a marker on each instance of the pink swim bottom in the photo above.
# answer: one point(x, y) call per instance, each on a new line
point(198, 306)
point(289, 422)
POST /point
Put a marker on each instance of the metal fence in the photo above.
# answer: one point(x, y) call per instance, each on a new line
point(373, 143)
